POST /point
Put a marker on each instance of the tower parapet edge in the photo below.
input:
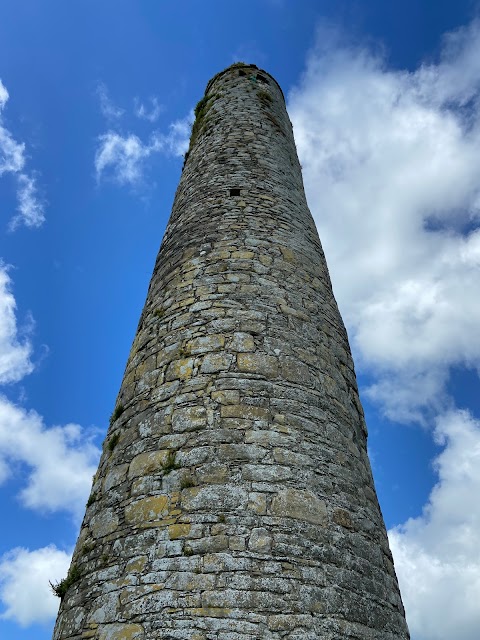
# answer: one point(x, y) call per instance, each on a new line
point(234, 497)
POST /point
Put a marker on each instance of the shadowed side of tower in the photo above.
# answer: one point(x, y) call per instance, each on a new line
point(234, 497)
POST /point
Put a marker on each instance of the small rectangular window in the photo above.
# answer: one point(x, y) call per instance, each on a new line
point(242, 73)
point(261, 78)
point(234, 192)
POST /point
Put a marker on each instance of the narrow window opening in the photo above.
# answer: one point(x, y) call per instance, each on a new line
point(262, 78)
point(242, 73)
point(234, 192)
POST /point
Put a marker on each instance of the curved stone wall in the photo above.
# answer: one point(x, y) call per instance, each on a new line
point(234, 498)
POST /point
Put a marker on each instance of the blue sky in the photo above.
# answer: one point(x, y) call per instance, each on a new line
point(96, 100)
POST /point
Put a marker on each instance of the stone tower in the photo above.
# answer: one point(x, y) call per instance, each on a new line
point(234, 497)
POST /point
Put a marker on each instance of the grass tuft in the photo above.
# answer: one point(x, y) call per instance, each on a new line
point(170, 464)
point(187, 482)
point(91, 498)
point(119, 409)
point(112, 443)
point(60, 588)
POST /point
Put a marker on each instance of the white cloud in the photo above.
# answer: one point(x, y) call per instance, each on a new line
point(122, 158)
point(24, 583)
point(3, 95)
point(12, 160)
point(12, 153)
point(144, 112)
point(30, 210)
point(15, 354)
point(178, 137)
point(437, 555)
point(61, 460)
point(107, 107)
point(390, 162)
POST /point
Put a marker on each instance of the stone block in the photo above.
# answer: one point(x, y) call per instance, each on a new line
point(288, 254)
point(205, 344)
point(209, 544)
point(214, 362)
point(258, 363)
point(180, 530)
point(257, 502)
point(115, 476)
point(260, 541)
point(237, 543)
point(189, 419)
point(243, 255)
point(147, 510)
point(241, 452)
point(301, 505)
point(241, 342)
point(180, 369)
point(104, 523)
point(294, 370)
point(266, 472)
point(147, 463)
point(214, 473)
point(342, 517)
point(165, 391)
point(226, 497)
point(136, 565)
point(227, 396)
point(244, 411)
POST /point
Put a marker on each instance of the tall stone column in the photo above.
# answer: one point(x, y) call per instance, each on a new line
point(234, 497)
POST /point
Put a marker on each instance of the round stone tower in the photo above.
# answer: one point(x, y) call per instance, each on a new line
point(234, 497)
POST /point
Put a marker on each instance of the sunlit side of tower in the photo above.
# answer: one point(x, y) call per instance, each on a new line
point(234, 497)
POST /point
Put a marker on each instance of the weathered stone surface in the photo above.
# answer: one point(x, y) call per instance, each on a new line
point(147, 510)
point(189, 418)
point(205, 344)
point(260, 540)
point(302, 505)
point(237, 501)
point(242, 342)
point(147, 463)
point(103, 523)
point(257, 363)
point(122, 632)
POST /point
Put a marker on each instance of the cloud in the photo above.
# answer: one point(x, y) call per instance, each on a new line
point(390, 165)
point(30, 210)
point(122, 158)
point(12, 160)
point(15, 354)
point(145, 113)
point(24, 583)
point(61, 460)
point(391, 173)
point(109, 110)
point(436, 554)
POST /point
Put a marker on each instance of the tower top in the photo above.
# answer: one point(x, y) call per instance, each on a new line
point(243, 69)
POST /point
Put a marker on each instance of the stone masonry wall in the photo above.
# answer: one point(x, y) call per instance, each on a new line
point(234, 497)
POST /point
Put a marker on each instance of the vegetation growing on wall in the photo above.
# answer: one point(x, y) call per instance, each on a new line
point(119, 409)
point(201, 120)
point(60, 588)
